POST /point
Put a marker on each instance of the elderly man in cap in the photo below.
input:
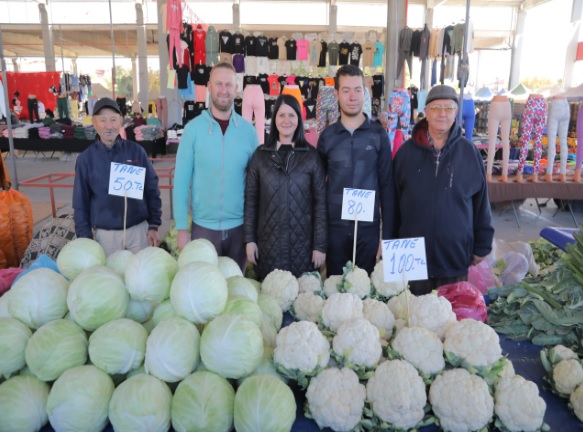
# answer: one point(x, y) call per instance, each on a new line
point(98, 214)
point(443, 194)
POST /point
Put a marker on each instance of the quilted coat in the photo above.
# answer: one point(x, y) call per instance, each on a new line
point(285, 208)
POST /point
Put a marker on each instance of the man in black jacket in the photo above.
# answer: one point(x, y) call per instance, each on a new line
point(357, 154)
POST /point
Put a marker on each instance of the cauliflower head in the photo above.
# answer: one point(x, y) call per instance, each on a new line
point(341, 307)
point(432, 312)
point(301, 347)
point(336, 399)
point(567, 375)
point(400, 305)
point(385, 289)
point(358, 343)
point(282, 285)
point(355, 280)
point(331, 285)
point(461, 401)
point(518, 404)
point(379, 315)
point(472, 344)
point(397, 394)
point(307, 307)
point(310, 282)
point(576, 401)
point(420, 347)
point(561, 352)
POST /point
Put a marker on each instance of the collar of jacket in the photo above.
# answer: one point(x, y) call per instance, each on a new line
point(419, 134)
point(365, 124)
point(232, 119)
point(300, 147)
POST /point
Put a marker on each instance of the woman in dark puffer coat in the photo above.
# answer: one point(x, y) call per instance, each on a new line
point(285, 198)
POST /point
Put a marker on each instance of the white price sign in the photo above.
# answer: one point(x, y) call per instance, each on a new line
point(358, 204)
point(404, 256)
point(127, 180)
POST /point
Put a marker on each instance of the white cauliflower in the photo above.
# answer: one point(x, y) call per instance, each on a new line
point(567, 375)
point(518, 404)
point(341, 307)
point(401, 304)
point(400, 324)
point(420, 347)
point(358, 343)
point(308, 307)
point(355, 280)
point(432, 312)
point(472, 344)
point(310, 282)
point(336, 399)
point(385, 289)
point(461, 401)
point(576, 400)
point(397, 394)
point(504, 369)
point(301, 350)
point(282, 285)
point(331, 285)
point(379, 315)
point(561, 352)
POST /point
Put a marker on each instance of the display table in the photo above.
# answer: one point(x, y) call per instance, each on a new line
point(559, 236)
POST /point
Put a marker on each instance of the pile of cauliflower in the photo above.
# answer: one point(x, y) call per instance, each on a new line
point(371, 356)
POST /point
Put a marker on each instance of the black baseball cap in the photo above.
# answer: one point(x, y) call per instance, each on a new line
point(105, 103)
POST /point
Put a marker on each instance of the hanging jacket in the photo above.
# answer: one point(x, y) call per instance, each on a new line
point(285, 208)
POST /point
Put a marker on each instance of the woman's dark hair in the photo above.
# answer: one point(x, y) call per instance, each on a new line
point(292, 102)
point(16, 94)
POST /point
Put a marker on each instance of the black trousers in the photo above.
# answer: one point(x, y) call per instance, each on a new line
point(33, 109)
point(340, 244)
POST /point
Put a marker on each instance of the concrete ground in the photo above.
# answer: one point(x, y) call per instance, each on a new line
point(31, 165)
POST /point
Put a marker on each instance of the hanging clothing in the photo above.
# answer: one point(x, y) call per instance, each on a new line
point(499, 115)
point(326, 108)
point(579, 159)
point(333, 49)
point(558, 121)
point(469, 118)
point(174, 28)
point(405, 54)
point(355, 53)
point(533, 123)
point(399, 112)
point(254, 106)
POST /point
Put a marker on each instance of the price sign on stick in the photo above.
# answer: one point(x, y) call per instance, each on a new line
point(404, 257)
point(358, 204)
point(127, 180)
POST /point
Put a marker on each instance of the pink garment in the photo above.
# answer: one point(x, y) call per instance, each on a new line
point(291, 80)
point(579, 137)
point(311, 136)
point(254, 103)
point(174, 28)
point(397, 142)
point(303, 47)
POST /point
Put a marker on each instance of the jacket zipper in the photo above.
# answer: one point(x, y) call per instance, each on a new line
point(222, 186)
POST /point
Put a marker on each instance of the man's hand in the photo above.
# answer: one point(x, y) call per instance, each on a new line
point(252, 252)
point(153, 238)
point(183, 238)
point(477, 260)
point(318, 258)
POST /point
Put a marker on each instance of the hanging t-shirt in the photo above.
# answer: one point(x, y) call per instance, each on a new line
point(238, 43)
point(314, 52)
point(291, 80)
point(310, 106)
point(262, 48)
point(273, 49)
point(200, 75)
point(343, 53)
point(333, 49)
point(274, 87)
point(282, 81)
point(291, 49)
point(282, 48)
point(355, 53)
point(368, 54)
point(378, 54)
point(183, 76)
point(249, 80)
point(377, 86)
point(226, 42)
point(250, 46)
point(262, 81)
point(199, 39)
point(302, 45)
point(323, 51)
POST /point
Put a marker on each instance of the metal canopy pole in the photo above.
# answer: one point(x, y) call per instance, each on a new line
point(112, 52)
point(14, 176)
point(462, 59)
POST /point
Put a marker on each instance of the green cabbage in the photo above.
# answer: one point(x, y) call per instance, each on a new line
point(229, 267)
point(200, 250)
point(78, 255)
point(246, 308)
point(199, 292)
point(240, 286)
point(149, 274)
point(203, 402)
point(231, 346)
point(55, 347)
point(263, 403)
point(118, 261)
point(268, 331)
point(270, 307)
point(13, 339)
point(79, 400)
point(118, 346)
point(140, 310)
point(97, 296)
point(172, 350)
point(38, 297)
point(265, 367)
point(22, 404)
point(163, 311)
point(4, 305)
point(141, 403)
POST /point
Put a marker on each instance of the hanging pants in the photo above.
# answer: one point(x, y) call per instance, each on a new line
point(33, 109)
point(558, 121)
point(469, 118)
point(533, 121)
point(63, 107)
point(326, 108)
point(399, 111)
point(162, 109)
point(405, 57)
point(579, 159)
point(367, 105)
point(499, 114)
point(74, 109)
point(174, 44)
point(294, 90)
point(254, 103)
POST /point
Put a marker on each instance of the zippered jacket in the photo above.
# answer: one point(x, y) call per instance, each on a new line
point(210, 172)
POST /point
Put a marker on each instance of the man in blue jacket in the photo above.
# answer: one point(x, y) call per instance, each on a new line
point(99, 215)
point(211, 165)
point(443, 194)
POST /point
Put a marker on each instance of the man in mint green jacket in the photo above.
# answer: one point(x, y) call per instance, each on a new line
point(211, 165)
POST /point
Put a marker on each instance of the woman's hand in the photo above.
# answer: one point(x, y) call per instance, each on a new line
point(318, 258)
point(252, 252)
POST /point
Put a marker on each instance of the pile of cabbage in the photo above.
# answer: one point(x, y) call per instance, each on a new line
point(142, 341)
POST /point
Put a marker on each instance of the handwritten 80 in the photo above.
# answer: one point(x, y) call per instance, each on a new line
point(353, 207)
point(121, 183)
